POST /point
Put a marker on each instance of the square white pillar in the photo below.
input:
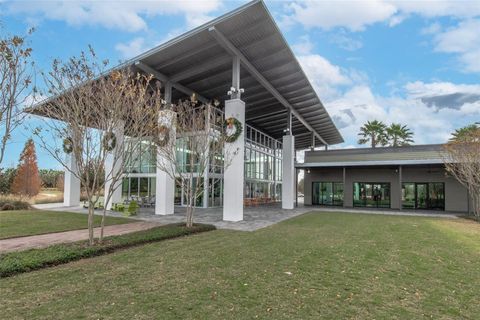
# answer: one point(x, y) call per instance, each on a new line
point(71, 184)
point(288, 168)
point(164, 193)
point(233, 177)
point(165, 183)
point(113, 169)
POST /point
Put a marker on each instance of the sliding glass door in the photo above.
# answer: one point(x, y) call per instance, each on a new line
point(327, 193)
point(423, 195)
point(373, 195)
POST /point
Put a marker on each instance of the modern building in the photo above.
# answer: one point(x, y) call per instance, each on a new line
point(410, 177)
point(242, 60)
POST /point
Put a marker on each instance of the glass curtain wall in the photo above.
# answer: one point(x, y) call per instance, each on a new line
point(263, 167)
point(423, 195)
point(375, 195)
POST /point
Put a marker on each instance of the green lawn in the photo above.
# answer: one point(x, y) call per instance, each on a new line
point(319, 265)
point(29, 222)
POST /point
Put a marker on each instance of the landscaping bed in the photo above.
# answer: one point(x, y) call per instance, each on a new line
point(25, 261)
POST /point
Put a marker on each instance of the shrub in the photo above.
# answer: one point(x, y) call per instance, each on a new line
point(24, 261)
point(7, 206)
point(132, 208)
point(119, 207)
point(13, 203)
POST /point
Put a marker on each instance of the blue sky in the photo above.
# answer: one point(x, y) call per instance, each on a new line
point(413, 62)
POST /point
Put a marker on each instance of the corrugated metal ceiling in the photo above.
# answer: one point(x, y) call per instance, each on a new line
point(205, 67)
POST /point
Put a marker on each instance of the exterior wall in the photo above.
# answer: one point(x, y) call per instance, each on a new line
point(388, 175)
point(323, 174)
point(455, 194)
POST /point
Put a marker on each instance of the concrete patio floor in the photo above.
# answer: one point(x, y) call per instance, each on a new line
point(255, 218)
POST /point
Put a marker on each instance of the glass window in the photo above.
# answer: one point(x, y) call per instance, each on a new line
point(125, 185)
point(371, 195)
point(153, 186)
point(327, 193)
point(133, 187)
point(408, 195)
point(143, 189)
point(338, 193)
point(423, 195)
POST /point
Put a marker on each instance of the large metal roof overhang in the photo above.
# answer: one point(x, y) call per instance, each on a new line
point(200, 61)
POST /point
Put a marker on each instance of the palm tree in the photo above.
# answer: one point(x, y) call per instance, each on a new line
point(373, 132)
point(399, 135)
point(464, 134)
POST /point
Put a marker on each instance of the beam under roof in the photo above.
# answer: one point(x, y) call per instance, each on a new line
point(229, 47)
point(165, 79)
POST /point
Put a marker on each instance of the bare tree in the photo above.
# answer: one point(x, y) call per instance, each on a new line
point(16, 76)
point(462, 161)
point(190, 143)
point(86, 108)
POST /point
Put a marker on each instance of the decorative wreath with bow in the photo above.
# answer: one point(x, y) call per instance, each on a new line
point(163, 135)
point(233, 129)
point(68, 145)
point(109, 141)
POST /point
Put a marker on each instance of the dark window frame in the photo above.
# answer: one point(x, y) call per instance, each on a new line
point(335, 201)
point(377, 202)
point(428, 200)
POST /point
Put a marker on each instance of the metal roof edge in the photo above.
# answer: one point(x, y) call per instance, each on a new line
point(300, 67)
point(366, 163)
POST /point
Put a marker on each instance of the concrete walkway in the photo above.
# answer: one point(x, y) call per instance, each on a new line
point(45, 240)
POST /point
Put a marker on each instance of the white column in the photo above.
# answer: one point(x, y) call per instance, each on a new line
point(113, 168)
point(71, 184)
point(233, 177)
point(165, 184)
point(288, 174)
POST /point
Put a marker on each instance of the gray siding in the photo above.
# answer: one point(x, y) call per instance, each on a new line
point(455, 194)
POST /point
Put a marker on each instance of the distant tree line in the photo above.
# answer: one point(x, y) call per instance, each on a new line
point(376, 133)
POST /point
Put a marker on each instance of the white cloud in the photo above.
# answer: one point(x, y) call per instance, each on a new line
point(434, 28)
point(353, 15)
point(345, 42)
point(304, 46)
point(123, 15)
point(419, 89)
point(429, 123)
point(439, 8)
point(357, 15)
point(324, 76)
point(132, 48)
point(463, 39)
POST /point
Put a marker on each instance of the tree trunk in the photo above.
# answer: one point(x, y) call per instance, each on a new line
point(102, 224)
point(91, 208)
point(476, 205)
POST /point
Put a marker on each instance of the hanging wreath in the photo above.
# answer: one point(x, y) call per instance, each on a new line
point(109, 141)
point(163, 136)
point(68, 145)
point(233, 129)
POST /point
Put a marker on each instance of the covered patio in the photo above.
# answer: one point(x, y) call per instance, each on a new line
point(242, 61)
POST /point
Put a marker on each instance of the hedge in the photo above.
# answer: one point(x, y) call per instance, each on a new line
point(24, 261)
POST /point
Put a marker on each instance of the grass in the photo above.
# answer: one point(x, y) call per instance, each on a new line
point(48, 196)
point(21, 223)
point(25, 261)
point(319, 265)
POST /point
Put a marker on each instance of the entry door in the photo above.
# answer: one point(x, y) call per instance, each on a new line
point(422, 196)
